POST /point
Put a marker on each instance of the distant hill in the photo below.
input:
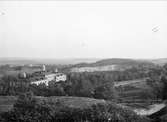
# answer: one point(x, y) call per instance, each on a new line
point(116, 61)
point(111, 65)
point(160, 61)
point(67, 61)
point(85, 62)
point(21, 61)
point(16, 61)
point(119, 61)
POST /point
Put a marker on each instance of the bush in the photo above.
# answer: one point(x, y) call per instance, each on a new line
point(27, 109)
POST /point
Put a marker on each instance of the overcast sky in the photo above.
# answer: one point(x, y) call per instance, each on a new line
point(90, 29)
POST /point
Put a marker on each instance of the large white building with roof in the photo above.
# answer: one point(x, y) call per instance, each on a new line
point(57, 77)
point(49, 76)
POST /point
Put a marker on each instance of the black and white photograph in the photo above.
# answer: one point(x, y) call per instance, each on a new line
point(83, 61)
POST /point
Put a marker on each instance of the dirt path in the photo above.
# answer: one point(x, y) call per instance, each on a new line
point(152, 109)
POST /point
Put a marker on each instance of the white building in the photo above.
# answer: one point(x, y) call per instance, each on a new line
point(57, 77)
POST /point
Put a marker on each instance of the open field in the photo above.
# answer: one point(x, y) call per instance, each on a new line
point(135, 94)
point(133, 89)
point(129, 82)
point(74, 102)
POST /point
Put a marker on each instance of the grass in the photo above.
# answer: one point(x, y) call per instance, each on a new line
point(6, 102)
point(136, 95)
point(78, 109)
point(74, 102)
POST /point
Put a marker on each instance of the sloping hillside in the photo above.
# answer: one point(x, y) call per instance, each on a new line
point(73, 109)
point(114, 64)
point(115, 61)
point(17, 61)
point(74, 102)
point(119, 61)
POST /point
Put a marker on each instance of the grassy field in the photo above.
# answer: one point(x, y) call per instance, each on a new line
point(134, 90)
point(6, 102)
point(74, 102)
point(135, 95)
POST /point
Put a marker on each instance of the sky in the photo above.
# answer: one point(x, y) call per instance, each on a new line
point(83, 29)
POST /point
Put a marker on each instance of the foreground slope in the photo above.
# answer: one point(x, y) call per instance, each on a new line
point(73, 109)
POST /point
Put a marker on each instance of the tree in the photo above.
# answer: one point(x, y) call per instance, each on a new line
point(28, 109)
point(105, 91)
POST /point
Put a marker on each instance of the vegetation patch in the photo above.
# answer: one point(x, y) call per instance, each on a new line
point(28, 109)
